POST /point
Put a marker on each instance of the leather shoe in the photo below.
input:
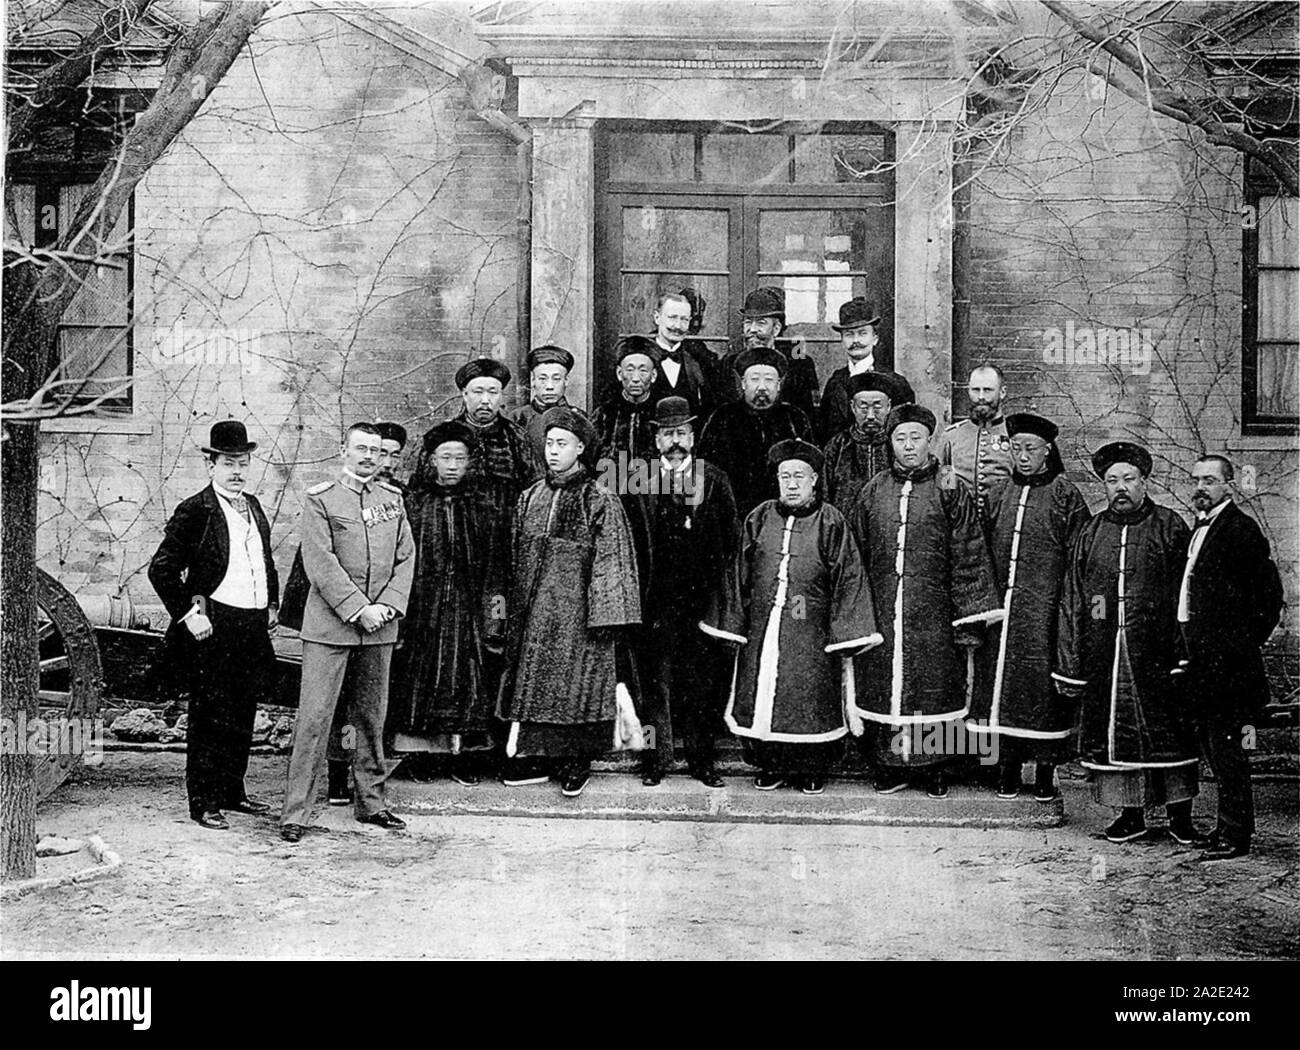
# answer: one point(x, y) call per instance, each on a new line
point(1224, 851)
point(212, 819)
point(1206, 842)
point(384, 819)
point(709, 778)
point(292, 832)
point(250, 805)
point(651, 778)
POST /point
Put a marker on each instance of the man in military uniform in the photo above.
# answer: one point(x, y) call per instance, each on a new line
point(978, 448)
point(359, 557)
point(764, 321)
point(548, 373)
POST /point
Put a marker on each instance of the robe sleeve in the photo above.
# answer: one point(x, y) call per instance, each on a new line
point(613, 594)
point(853, 615)
point(728, 615)
point(975, 599)
point(499, 531)
point(1071, 611)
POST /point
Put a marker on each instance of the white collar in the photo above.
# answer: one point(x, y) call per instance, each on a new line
point(668, 468)
point(856, 368)
point(1213, 513)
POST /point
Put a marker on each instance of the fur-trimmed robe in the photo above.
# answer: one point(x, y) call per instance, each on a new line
point(932, 582)
point(799, 610)
point(853, 458)
point(575, 581)
point(1033, 522)
point(1119, 642)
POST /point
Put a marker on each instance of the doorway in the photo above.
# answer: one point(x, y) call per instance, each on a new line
point(725, 209)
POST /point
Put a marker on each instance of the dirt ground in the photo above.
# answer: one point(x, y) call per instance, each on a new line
point(492, 887)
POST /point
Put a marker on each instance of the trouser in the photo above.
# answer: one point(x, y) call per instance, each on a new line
point(231, 672)
point(680, 679)
point(324, 668)
point(1220, 736)
point(786, 759)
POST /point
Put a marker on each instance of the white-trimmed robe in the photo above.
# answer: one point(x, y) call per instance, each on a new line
point(799, 610)
point(932, 579)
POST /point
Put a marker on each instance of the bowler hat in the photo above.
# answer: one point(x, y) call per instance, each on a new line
point(1121, 452)
point(228, 438)
point(765, 302)
point(672, 412)
point(855, 313)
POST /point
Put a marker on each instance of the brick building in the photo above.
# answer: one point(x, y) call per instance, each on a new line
point(373, 195)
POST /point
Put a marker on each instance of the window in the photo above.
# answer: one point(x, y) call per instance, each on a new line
point(94, 339)
point(1270, 374)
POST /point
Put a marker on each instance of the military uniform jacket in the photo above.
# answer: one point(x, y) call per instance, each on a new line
point(357, 550)
point(981, 455)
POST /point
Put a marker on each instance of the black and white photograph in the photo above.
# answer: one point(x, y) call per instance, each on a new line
point(652, 480)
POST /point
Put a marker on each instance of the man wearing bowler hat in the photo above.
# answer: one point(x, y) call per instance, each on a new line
point(1118, 649)
point(764, 321)
point(859, 330)
point(738, 434)
point(689, 516)
point(214, 572)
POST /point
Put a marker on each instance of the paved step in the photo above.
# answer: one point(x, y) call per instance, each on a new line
point(617, 796)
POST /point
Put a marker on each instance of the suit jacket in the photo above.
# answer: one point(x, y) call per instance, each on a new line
point(193, 556)
point(1234, 602)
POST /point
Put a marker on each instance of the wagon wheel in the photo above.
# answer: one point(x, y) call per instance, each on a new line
point(71, 682)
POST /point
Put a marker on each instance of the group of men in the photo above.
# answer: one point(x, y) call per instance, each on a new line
point(712, 546)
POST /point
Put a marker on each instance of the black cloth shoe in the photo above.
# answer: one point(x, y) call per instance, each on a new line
point(1129, 825)
point(468, 778)
point(1183, 831)
point(249, 805)
point(383, 819)
point(1009, 780)
point(936, 784)
point(519, 772)
point(813, 785)
point(708, 777)
point(212, 818)
point(768, 781)
point(1206, 842)
point(1045, 789)
point(1224, 851)
point(888, 782)
point(574, 780)
point(651, 778)
point(292, 832)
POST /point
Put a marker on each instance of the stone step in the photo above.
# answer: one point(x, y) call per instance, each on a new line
point(616, 796)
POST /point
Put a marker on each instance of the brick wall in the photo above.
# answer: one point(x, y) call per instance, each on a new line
point(1098, 217)
point(329, 240)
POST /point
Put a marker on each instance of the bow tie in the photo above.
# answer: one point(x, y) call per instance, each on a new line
point(1200, 523)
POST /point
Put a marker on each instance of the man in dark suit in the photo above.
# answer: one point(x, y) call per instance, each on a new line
point(214, 572)
point(1228, 605)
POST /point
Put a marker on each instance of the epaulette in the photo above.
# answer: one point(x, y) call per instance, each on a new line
point(947, 477)
point(316, 490)
point(388, 487)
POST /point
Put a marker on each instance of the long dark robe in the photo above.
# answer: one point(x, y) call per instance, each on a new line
point(1033, 522)
point(692, 535)
point(456, 611)
point(800, 610)
point(624, 426)
point(575, 582)
point(853, 457)
point(932, 581)
point(1119, 643)
point(737, 438)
